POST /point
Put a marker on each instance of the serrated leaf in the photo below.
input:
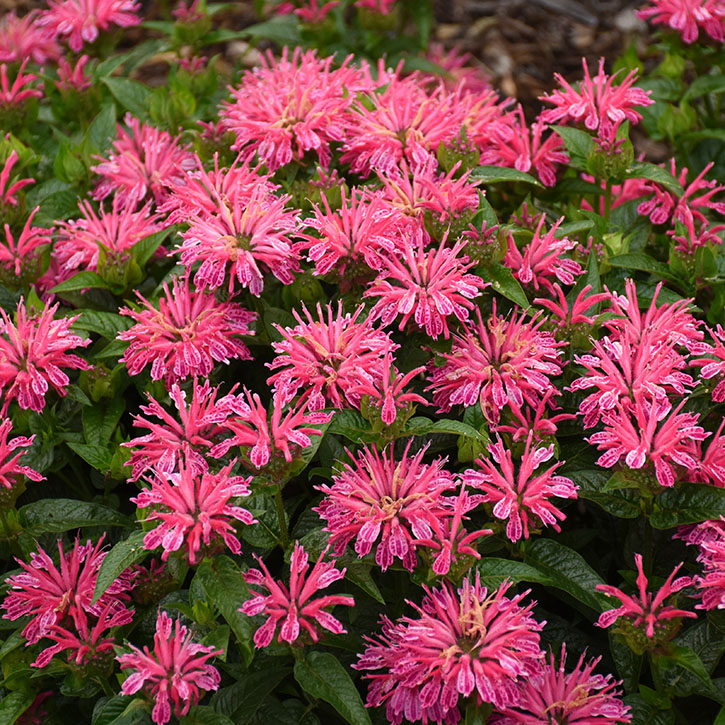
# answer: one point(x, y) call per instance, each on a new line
point(646, 714)
point(105, 324)
point(578, 143)
point(498, 174)
point(494, 570)
point(204, 715)
point(241, 700)
point(282, 29)
point(322, 676)
point(622, 504)
point(124, 554)
point(99, 421)
point(117, 710)
point(101, 129)
point(132, 95)
point(64, 514)
point(350, 424)
point(225, 587)
point(704, 85)
point(690, 503)
point(81, 281)
point(145, 249)
point(687, 659)
point(14, 704)
point(503, 282)
point(95, 455)
point(642, 262)
point(645, 170)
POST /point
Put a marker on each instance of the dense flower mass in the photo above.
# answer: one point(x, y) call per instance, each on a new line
point(462, 642)
point(688, 17)
point(12, 469)
point(173, 672)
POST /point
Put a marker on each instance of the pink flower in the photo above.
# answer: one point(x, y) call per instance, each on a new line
point(294, 606)
point(522, 497)
point(288, 107)
point(248, 237)
point(555, 696)
point(462, 642)
point(144, 161)
point(689, 240)
point(114, 233)
point(646, 609)
point(328, 359)
point(171, 441)
point(11, 470)
point(429, 286)
point(174, 672)
point(537, 422)
point(381, 498)
point(461, 74)
point(696, 198)
point(542, 259)
point(713, 365)
point(33, 349)
point(15, 95)
point(516, 145)
point(598, 102)
point(567, 316)
point(8, 194)
point(642, 438)
point(22, 38)
point(80, 20)
point(497, 362)
point(194, 510)
point(309, 10)
point(187, 334)
point(712, 584)
point(348, 241)
point(48, 593)
point(384, 7)
point(269, 438)
point(74, 77)
point(21, 257)
point(688, 17)
point(84, 642)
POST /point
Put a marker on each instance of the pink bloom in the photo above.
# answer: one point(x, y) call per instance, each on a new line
point(328, 359)
point(713, 365)
point(114, 233)
point(74, 77)
point(542, 259)
point(21, 257)
point(294, 606)
point(144, 161)
point(85, 644)
point(461, 74)
point(194, 510)
point(518, 146)
point(567, 316)
point(348, 241)
point(15, 95)
point(696, 198)
point(171, 441)
point(80, 20)
point(187, 334)
point(497, 362)
point(642, 438)
point(48, 593)
point(712, 584)
point(537, 422)
point(381, 498)
point(579, 697)
point(646, 609)
point(22, 38)
point(174, 672)
point(384, 7)
point(309, 11)
point(288, 107)
point(687, 242)
point(462, 642)
point(11, 470)
point(522, 497)
point(598, 102)
point(248, 237)
point(429, 286)
point(688, 17)
point(32, 352)
point(710, 465)
point(8, 194)
point(269, 438)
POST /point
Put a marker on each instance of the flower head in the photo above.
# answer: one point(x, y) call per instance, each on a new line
point(554, 695)
point(74, 77)
point(173, 672)
point(688, 17)
point(567, 316)
point(292, 608)
point(22, 38)
point(15, 94)
point(20, 254)
point(523, 496)
point(186, 335)
point(712, 583)
point(33, 349)
point(645, 610)
point(11, 468)
point(195, 510)
point(462, 642)
point(385, 502)
point(8, 194)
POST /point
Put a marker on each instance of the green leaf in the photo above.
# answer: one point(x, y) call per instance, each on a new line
point(14, 704)
point(644, 263)
point(144, 250)
point(124, 554)
point(132, 95)
point(64, 514)
point(101, 130)
point(351, 425)
point(629, 664)
point(95, 455)
point(498, 174)
point(686, 658)
point(567, 570)
point(493, 571)
point(105, 324)
point(689, 503)
point(645, 714)
point(99, 421)
point(622, 504)
point(282, 29)
point(578, 143)
point(645, 170)
point(359, 574)
point(204, 715)
point(225, 587)
point(704, 85)
point(81, 281)
point(118, 710)
point(241, 700)
point(503, 282)
point(322, 676)
point(720, 719)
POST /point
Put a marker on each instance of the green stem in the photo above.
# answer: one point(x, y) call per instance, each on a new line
point(107, 689)
point(607, 201)
point(281, 518)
